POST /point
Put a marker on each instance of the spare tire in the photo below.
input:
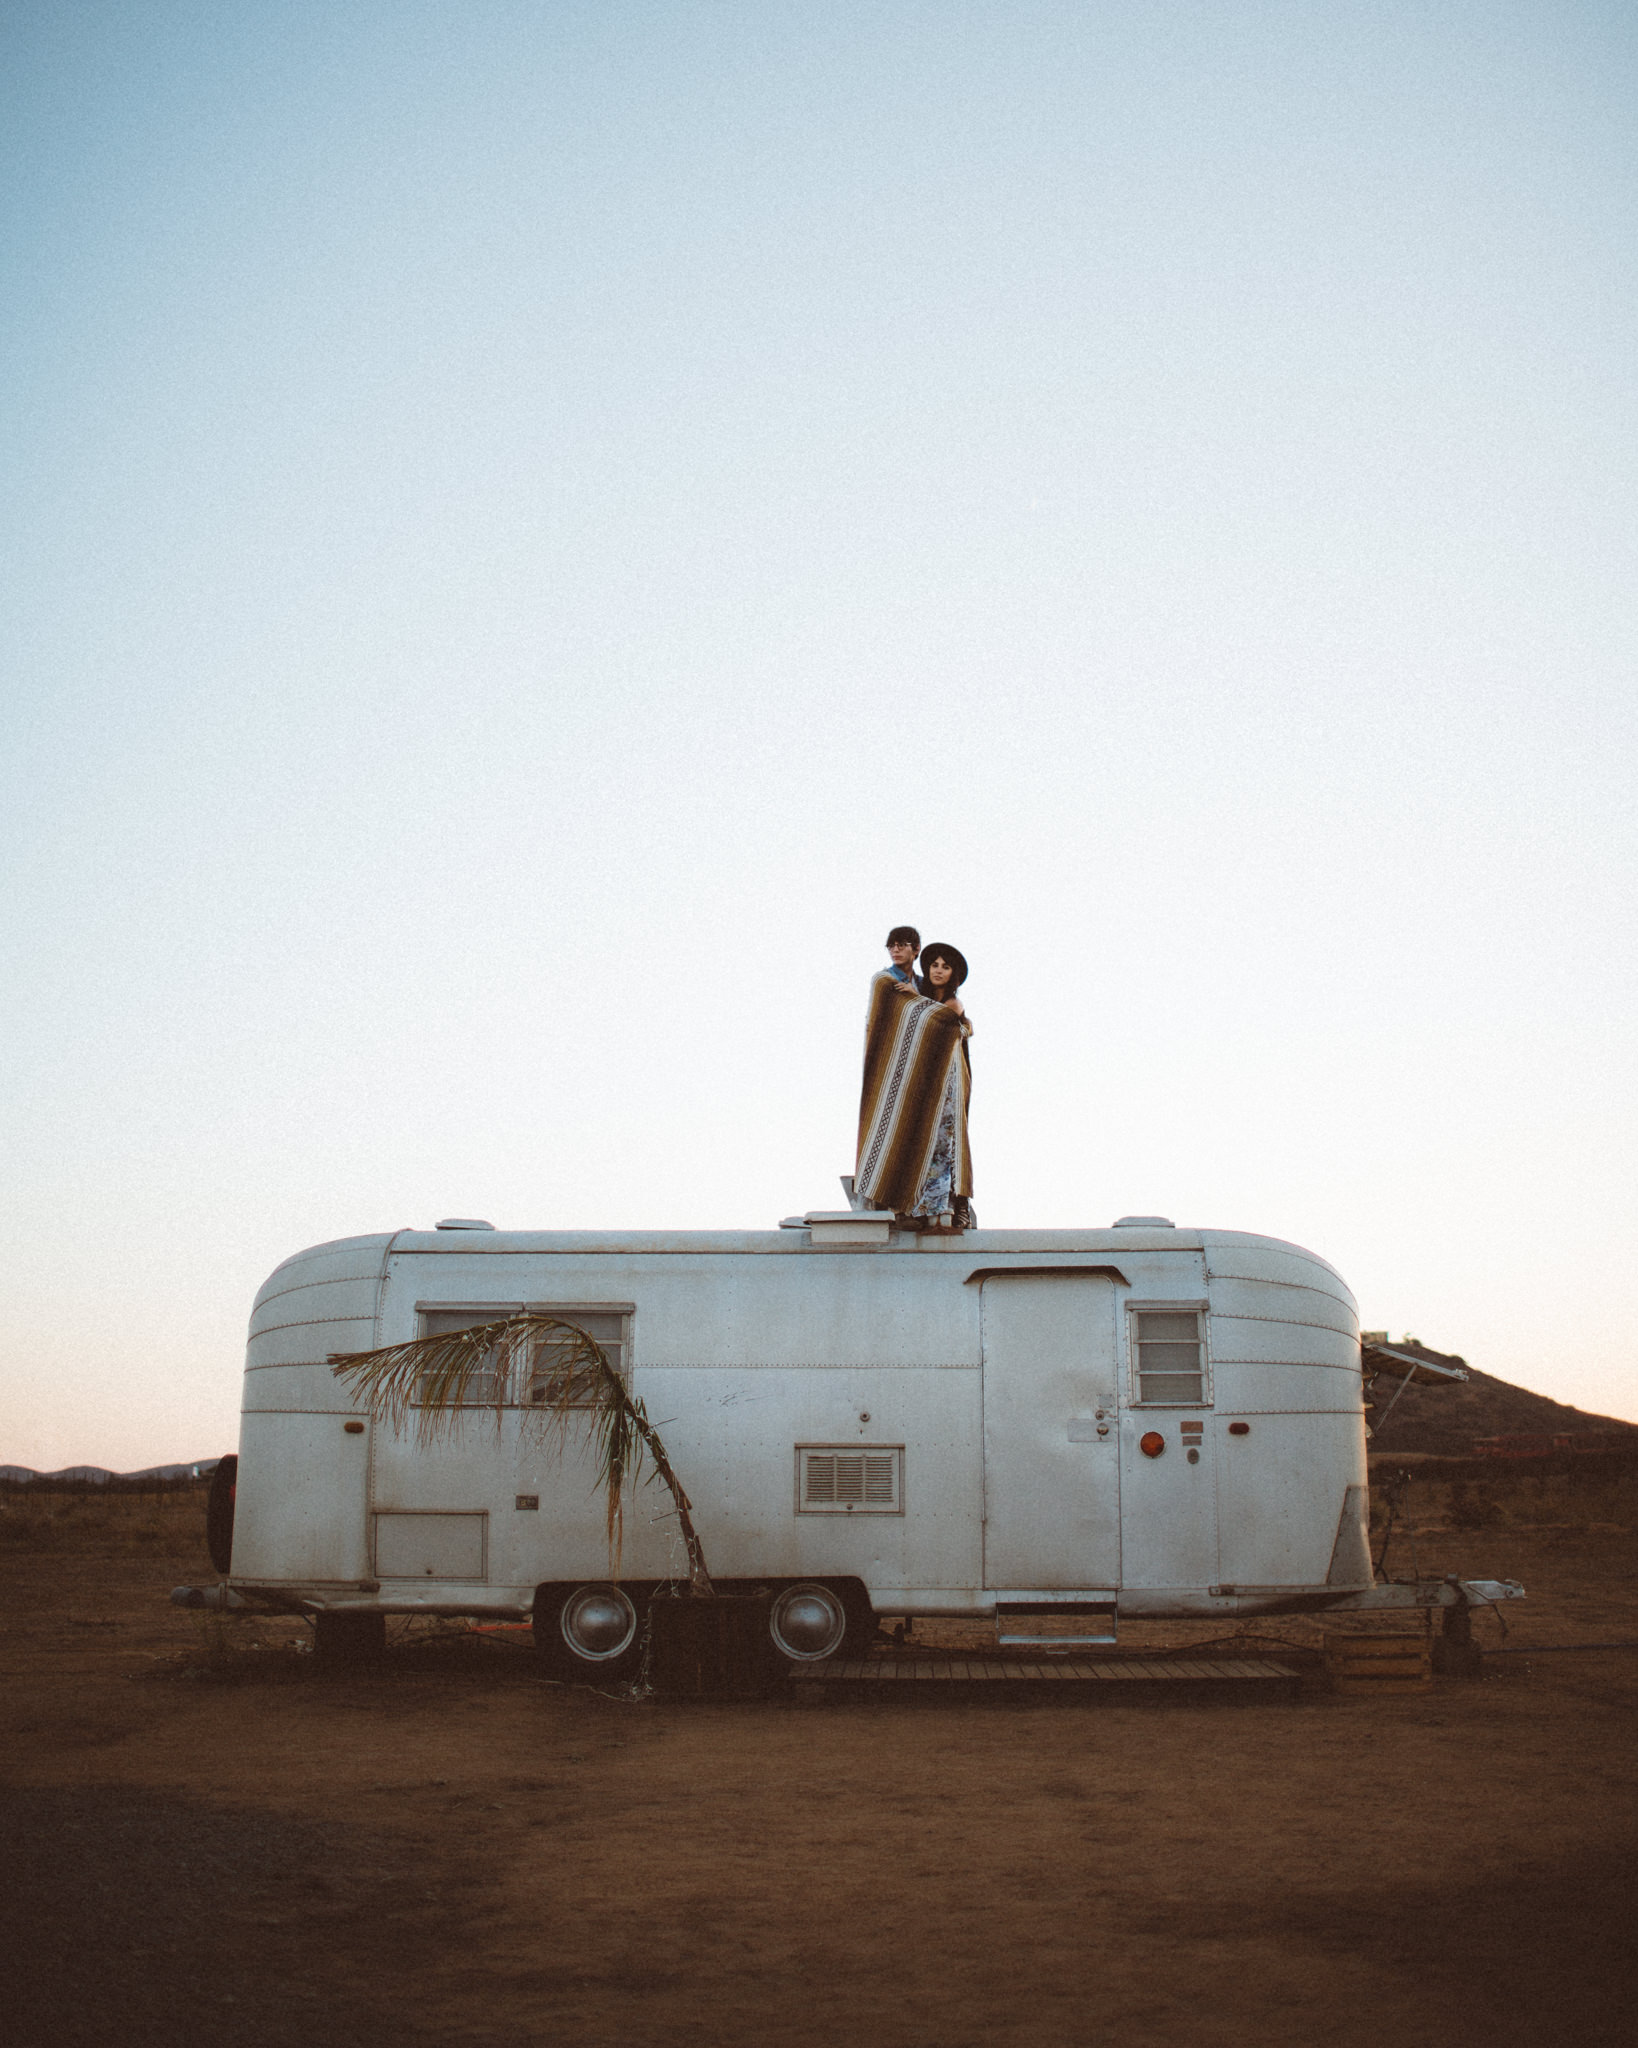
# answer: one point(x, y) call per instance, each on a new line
point(224, 1491)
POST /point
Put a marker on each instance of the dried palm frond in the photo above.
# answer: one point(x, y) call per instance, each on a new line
point(564, 1374)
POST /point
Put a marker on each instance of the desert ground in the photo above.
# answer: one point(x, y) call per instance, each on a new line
point(209, 1839)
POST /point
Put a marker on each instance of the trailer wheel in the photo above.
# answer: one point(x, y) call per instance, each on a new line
point(808, 1621)
point(591, 1631)
point(344, 1641)
point(224, 1488)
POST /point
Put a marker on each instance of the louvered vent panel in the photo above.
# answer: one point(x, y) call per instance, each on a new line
point(838, 1481)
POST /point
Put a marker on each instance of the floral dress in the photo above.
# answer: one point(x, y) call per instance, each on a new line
point(937, 1197)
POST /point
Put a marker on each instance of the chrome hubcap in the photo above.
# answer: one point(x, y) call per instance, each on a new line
point(808, 1622)
point(598, 1622)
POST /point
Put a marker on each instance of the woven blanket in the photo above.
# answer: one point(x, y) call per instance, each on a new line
point(913, 1050)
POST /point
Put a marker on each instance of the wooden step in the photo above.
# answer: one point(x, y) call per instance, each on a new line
point(1378, 1664)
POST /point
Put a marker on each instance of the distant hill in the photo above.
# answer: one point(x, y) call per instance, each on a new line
point(99, 1475)
point(1445, 1420)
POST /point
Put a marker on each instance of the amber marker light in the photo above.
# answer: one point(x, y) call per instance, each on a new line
point(1151, 1443)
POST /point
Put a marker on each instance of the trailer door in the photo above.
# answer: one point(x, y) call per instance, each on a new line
point(1051, 1436)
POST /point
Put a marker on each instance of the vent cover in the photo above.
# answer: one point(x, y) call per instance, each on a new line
point(850, 1479)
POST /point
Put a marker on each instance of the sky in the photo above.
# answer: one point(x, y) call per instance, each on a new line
point(533, 533)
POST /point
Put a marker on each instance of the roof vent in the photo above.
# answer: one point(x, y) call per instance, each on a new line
point(465, 1223)
point(848, 1226)
point(1143, 1223)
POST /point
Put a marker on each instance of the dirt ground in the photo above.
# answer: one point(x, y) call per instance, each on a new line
point(206, 1840)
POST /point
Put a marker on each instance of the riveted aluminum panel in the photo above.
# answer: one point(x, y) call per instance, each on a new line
point(1271, 1301)
point(1281, 1489)
point(317, 1301)
point(1248, 1340)
point(741, 1430)
point(850, 1309)
point(731, 1436)
point(295, 1389)
point(1168, 1505)
point(354, 1258)
point(310, 1343)
point(300, 1514)
point(1294, 1389)
point(1249, 1258)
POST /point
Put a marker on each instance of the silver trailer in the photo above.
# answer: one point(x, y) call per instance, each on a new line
point(1018, 1424)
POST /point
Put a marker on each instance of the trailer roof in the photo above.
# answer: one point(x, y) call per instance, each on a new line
point(469, 1243)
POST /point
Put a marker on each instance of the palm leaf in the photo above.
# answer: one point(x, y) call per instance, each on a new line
point(438, 1379)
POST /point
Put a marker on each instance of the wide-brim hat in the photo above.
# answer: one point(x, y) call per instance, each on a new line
point(956, 958)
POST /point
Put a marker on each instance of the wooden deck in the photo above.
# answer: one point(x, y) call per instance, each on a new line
point(1105, 1674)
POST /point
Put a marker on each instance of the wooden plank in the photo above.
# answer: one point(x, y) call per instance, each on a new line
point(1362, 1688)
point(1379, 1674)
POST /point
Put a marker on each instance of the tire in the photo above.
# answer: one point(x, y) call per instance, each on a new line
point(344, 1642)
point(219, 1502)
point(592, 1632)
point(808, 1621)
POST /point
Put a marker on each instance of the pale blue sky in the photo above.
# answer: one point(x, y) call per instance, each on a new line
point(533, 533)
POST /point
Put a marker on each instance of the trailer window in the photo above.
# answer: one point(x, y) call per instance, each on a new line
point(1166, 1354)
point(849, 1479)
point(540, 1380)
point(546, 1375)
point(482, 1390)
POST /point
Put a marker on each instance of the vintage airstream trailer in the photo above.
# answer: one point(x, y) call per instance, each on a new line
point(1141, 1420)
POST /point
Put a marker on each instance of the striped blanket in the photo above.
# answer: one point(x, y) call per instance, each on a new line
point(914, 1050)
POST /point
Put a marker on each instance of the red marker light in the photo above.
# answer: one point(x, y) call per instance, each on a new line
point(1239, 1429)
point(1151, 1443)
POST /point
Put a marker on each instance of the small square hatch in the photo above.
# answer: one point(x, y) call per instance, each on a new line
point(430, 1546)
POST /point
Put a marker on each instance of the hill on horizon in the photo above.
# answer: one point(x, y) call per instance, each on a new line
point(1443, 1421)
point(99, 1475)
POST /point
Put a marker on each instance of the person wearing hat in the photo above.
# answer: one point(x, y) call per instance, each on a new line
point(945, 1201)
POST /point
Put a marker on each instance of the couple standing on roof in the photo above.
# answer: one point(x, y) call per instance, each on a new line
point(918, 1080)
